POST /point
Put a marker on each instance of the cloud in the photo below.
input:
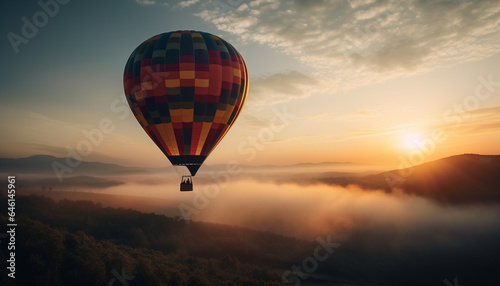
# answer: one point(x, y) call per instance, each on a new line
point(181, 4)
point(72, 182)
point(358, 115)
point(145, 2)
point(309, 211)
point(269, 91)
point(479, 121)
point(359, 42)
point(473, 122)
point(280, 87)
point(188, 3)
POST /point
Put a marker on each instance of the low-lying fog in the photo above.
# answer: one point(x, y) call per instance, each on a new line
point(312, 210)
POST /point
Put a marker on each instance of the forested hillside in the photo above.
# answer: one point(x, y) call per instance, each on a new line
point(83, 243)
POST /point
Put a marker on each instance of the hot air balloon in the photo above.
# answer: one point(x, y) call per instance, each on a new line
point(186, 89)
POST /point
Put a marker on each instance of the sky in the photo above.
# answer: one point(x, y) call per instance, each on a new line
point(378, 83)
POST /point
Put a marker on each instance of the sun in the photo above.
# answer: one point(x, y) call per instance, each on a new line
point(413, 141)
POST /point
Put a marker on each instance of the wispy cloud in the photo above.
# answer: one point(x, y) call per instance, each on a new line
point(272, 90)
point(46, 130)
point(188, 3)
point(280, 87)
point(480, 121)
point(357, 115)
point(145, 2)
point(359, 42)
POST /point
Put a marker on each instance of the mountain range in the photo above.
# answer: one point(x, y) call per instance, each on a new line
point(460, 179)
point(43, 164)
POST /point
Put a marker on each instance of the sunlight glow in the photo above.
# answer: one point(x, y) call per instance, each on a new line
point(413, 141)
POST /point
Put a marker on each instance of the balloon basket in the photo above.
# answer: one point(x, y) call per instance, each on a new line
point(186, 184)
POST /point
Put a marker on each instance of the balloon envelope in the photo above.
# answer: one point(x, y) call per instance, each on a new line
point(186, 89)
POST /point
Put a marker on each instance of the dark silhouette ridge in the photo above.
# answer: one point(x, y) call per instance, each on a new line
point(42, 164)
point(461, 179)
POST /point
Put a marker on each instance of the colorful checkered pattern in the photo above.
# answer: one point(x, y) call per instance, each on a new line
point(186, 89)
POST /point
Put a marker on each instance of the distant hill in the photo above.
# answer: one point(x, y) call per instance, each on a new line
point(90, 176)
point(461, 179)
point(42, 164)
